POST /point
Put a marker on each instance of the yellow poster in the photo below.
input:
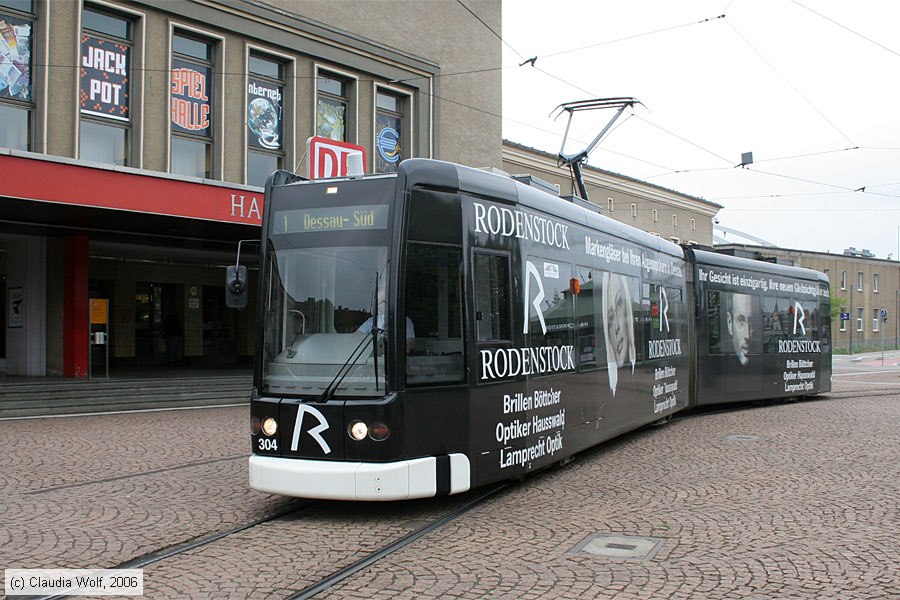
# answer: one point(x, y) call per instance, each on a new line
point(99, 311)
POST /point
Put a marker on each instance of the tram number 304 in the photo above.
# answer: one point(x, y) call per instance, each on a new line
point(268, 444)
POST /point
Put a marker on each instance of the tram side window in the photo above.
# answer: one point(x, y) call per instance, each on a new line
point(434, 305)
point(735, 324)
point(433, 288)
point(814, 316)
point(665, 307)
point(589, 335)
point(803, 319)
point(492, 297)
point(554, 324)
point(621, 302)
point(714, 320)
point(433, 296)
point(776, 322)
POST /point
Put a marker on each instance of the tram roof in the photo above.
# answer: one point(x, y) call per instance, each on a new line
point(486, 184)
point(707, 257)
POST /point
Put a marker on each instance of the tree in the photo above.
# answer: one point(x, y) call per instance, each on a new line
point(838, 304)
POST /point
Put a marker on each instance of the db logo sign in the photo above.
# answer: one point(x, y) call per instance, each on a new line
point(328, 158)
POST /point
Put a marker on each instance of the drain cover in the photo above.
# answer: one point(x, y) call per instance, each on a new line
point(619, 546)
point(745, 438)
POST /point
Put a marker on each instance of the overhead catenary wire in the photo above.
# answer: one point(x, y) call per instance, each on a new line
point(682, 138)
point(574, 86)
point(844, 27)
point(789, 84)
point(489, 28)
point(631, 37)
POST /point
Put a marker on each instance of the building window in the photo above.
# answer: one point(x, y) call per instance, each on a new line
point(332, 106)
point(674, 220)
point(192, 107)
point(675, 239)
point(106, 44)
point(655, 216)
point(693, 224)
point(610, 205)
point(876, 316)
point(265, 118)
point(860, 278)
point(16, 92)
point(859, 318)
point(875, 282)
point(843, 325)
point(103, 143)
point(633, 210)
point(392, 131)
point(843, 280)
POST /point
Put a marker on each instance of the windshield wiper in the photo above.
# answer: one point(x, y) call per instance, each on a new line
point(357, 352)
point(348, 365)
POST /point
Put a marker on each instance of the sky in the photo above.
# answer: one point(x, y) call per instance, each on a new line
point(810, 87)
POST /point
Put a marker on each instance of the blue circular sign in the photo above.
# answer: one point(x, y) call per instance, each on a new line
point(388, 144)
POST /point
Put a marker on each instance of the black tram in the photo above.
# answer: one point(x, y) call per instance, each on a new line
point(442, 328)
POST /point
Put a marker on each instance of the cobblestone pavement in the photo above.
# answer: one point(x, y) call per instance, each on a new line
point(794, 500)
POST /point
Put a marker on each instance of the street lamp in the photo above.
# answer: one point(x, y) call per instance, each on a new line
point(851, 318)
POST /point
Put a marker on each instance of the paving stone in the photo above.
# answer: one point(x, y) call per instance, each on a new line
point(807, 508)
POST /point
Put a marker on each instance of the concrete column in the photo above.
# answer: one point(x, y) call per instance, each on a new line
point(26, 283)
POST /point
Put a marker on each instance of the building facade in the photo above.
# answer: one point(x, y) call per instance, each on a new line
point(678, 217)
point(865, 293)
point(135, 136)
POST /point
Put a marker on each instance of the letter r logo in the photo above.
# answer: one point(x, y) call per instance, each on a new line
point(799, 317)
point(315, 432)
point(663, 309)
point(531, 272)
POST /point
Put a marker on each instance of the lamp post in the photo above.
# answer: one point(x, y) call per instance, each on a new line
point(851, 319)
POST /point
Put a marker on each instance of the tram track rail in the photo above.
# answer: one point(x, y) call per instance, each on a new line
point(297, 505)
point(191, 544)
point(866, 393)
point(340, 575)
point(102, 480)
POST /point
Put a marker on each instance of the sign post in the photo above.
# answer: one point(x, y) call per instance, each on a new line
point(99, 332)
point(329, 158)
point(883, 318)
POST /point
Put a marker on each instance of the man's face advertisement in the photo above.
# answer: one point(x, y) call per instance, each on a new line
point(739, 321)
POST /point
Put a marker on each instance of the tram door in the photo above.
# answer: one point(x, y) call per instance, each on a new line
point(432, 308)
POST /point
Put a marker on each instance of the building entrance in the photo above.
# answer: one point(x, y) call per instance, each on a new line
point(2, 323)
point(158, 325)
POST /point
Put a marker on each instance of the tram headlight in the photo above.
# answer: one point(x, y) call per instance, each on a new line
point(269, 426)
point(254, 425)
point(358, 430)
point(379, 431)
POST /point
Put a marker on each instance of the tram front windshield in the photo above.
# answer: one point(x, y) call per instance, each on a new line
point(324, 326)
point(325, 276)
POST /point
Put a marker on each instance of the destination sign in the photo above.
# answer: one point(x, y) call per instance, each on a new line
point(333, 218)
